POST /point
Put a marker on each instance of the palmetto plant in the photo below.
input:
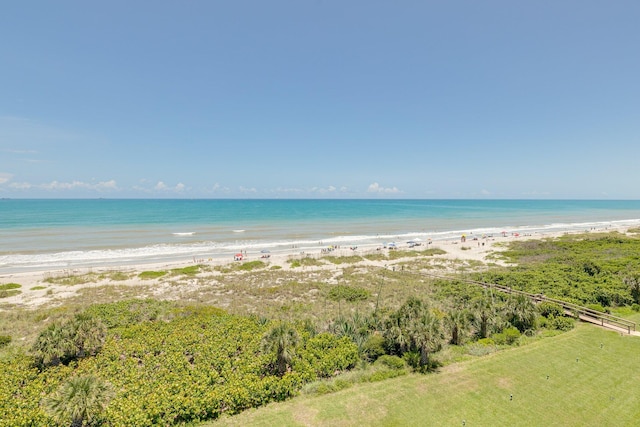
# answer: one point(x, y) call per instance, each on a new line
point(53, 345)
point(79, 401)
point(281, 340)
point(521, 313)
point(425, 333)
point(485, 314)
point(89, 335)
point(457, 324)
point(414, 328)
point(77, 338)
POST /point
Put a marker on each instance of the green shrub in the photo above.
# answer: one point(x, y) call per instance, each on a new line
point(373, 347)
point(391, 362)
point(145, 275)
point(348, 293)
point(508, 336)
point(295, 263)
point(486, 342)
point(326, 354)
point(562, 323)
point(251, 265)
point(412, 358)
point(550, 309)
point(128, 312)
point(190, 270)
point(9, 290)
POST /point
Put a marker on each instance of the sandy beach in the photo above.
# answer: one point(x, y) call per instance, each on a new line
point(37, 289)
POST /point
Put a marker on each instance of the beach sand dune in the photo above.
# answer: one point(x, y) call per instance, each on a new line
point(40, 288)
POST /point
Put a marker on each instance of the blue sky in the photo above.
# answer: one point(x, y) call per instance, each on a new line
point(320, 99)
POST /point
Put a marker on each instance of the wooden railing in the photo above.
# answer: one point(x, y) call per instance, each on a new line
point(583, 313)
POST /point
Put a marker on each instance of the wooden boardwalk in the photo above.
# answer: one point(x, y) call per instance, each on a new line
point(583, 313)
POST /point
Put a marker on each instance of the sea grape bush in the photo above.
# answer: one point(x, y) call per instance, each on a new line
point(583, 269)
point(197, 366)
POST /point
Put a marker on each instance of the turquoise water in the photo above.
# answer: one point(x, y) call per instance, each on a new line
point(64, 233)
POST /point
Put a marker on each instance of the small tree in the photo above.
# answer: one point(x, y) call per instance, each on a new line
point(281, 340)
point(413, 328)
point(521, 313)
point(426, 335)
point(484, 314)
point(457, 322)
point(79, 401)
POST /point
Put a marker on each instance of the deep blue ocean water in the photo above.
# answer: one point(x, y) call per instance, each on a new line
point(39, 234)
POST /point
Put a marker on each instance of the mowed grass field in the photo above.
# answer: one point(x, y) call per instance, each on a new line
point(586, 377)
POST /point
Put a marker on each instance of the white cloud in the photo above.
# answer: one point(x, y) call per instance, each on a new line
point(58, 186)
point(485, 192)
point(55, 185)
point(161, 186)
point(110, 185)
point(329, 189)
point(20, 185)
point(248, 190)
point(287, 190)
point(73, 185)
point(217, 188)
point(5, 177)
point(376, 188)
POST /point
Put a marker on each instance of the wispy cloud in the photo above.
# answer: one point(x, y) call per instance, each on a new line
point(247, 190)
point(6, 181)
point(99, 186)
point(287, 190)
point(376, 188)
point(5, 177)
point(8, 150)
point(178, 188)
point(20, 186)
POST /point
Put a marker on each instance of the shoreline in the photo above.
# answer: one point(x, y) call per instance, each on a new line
point(179, 251)
point(474, 249)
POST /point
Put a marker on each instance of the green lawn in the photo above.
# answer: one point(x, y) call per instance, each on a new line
point(593, 380)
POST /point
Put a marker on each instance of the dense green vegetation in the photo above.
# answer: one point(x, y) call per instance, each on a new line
point(148, 362)
point(151, 274)
point(587, 377)
point(195, 364)
point(587, 269)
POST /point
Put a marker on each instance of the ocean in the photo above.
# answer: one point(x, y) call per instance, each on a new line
point(53, 234)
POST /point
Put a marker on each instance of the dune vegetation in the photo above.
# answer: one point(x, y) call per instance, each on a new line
point(352, 341)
